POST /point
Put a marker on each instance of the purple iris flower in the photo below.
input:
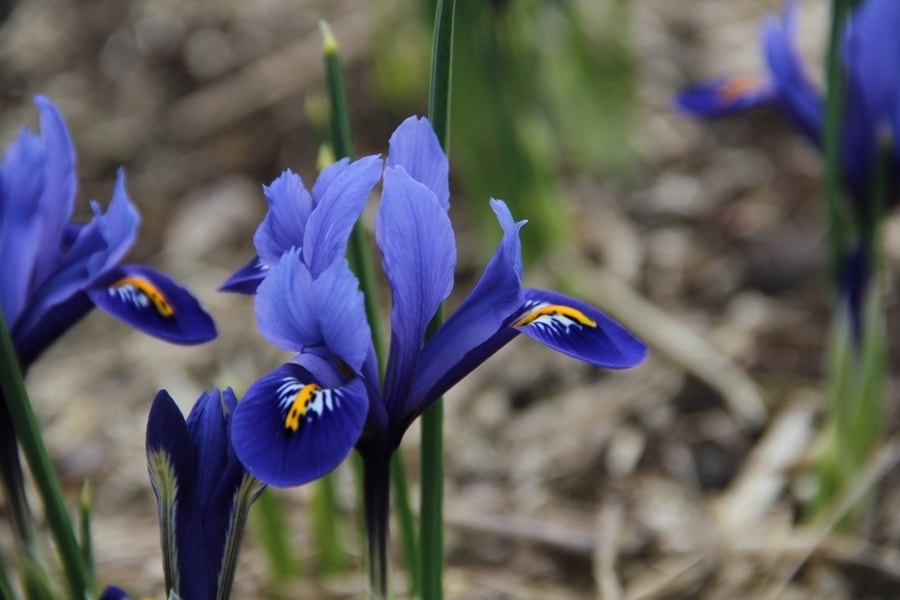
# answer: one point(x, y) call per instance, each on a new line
point(299, 219)
point(53, 271)
point(203, 492)
point(299, 422)
point(870, 54)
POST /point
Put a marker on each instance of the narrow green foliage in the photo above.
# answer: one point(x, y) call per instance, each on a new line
point(87, 540)
point(6, 590)
point(431, 505)
point(838, 219)
point(28, 431)
point(271, 528)
point(327, 526)
point(408, 540)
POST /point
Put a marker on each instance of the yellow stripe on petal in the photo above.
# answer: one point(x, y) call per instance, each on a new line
point(300, 406)
point(140, 292)
point(555, 314)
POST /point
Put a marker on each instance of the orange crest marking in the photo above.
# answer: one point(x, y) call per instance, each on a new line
point(553, 311)
point(300, 406)
point(735, 87)
point(149, 291)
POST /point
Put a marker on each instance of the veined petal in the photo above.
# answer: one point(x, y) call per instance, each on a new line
point(416, 148)
point(726, 96)
point(246, 279)
point(486, 309)
point(285, 223)
point(58, 195)
point(578, 330)
point(289, 430)
point(155, 304)
point(799, 98)
point(295, 311)
point(419, 257)
point(340, 194)
point(170, 461)
point(21, 186)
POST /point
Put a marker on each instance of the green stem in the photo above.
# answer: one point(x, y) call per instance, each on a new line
point(431, 509)
point(404, 512)
point(376, 482)
point(271, 528)
point(6, 589)
point(835, 208)
point(327, 526)
point(26, 426)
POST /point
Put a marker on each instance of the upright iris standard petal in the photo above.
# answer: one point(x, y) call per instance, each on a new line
point(112, 592)
point(418, 251)
point(578, 330)
point(21, 186)
point(726, 96)
point(415, 147)
point(802, 102)
point(295, 310)
point(58, 196)
point(285, 223)
point(340, 192)
point(289, 429)
point(155, 304)
point(487, 308)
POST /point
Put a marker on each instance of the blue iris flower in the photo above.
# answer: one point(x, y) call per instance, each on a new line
point(870, 53)
point(203, 492)
point(299, 422)
point(53, 270)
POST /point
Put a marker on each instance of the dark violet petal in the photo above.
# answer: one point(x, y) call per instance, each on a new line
point(415, 147)
point(295, 311)
point(284, 449)
point(168, 433)
point(496, 297)
point(285, 223)
point(340, 194)
point(31, 342)
point(155, 304)
point(170, 462)
point(578, 330)
point(58, 196)
point(246, 279)
point(419, 257)
point(725, 96)
point(793, 89)
point(114, 593)
point(207, 426)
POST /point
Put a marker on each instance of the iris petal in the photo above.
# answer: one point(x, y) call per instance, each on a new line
point(487, 308)
point(419, 258)
point(295, 311)
point(246, 279)
point(58, 197)
point(416, 148)
point(21, 185)
point(792, 87)
point(578, 330)
point(285, 222)
point(725, 96)
point(328, 423)
point(340, 194)
point(155, 304)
